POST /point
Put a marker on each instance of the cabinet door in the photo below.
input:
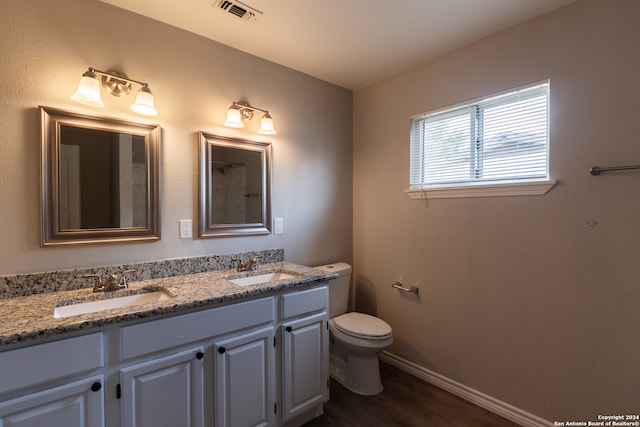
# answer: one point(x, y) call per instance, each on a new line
point(305, 372)
point(244, 380)
point(164, 392)
point(77, 404)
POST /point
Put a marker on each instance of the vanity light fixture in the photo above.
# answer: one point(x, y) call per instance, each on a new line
point(116, 84)
point(240, 111)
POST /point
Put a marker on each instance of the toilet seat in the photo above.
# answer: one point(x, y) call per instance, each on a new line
point(360, 325)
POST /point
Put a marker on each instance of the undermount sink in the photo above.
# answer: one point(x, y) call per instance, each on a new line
point(262, 278)
point(108, 304)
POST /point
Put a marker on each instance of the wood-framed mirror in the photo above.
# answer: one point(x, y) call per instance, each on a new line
point(235, 187)
point(99, 179)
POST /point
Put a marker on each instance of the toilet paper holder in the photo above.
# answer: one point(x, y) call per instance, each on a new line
point(398, 285)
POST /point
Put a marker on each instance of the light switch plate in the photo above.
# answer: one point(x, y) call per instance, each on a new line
point(278, 225)
point(186, 229)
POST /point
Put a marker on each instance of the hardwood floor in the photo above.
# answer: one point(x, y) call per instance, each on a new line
point(405, 401)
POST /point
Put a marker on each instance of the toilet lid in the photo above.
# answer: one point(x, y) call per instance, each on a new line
point(362, 325)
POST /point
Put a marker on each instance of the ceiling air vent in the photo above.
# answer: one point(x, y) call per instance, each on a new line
point(238, 9)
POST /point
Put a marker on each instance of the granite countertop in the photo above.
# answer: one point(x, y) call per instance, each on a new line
point(26, 319)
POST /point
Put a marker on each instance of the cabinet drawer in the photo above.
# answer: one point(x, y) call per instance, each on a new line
point(156, 335)
point(303, 302)
point(45, 362)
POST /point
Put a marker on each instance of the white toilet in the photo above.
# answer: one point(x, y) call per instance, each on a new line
point(356, 338)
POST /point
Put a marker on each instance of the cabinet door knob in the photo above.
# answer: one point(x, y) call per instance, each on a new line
point(221, 350)
point(199, 355)
point(288, 329)
point(96, 386)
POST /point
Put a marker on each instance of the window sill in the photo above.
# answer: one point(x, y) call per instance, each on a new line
point(530, 188)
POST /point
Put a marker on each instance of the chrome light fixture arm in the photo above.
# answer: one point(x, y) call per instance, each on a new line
point(241, 111)
point(115, 83)
point(246, 110)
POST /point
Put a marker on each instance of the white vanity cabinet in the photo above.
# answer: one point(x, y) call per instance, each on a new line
point(56, 384)
point(305, 353)
point(244, 380)
point(245, 387)
point(167, 387)
point(258, 362)
point(164, 392)
point(246, 390)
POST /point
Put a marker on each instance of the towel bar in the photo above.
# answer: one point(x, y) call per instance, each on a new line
point(596, 170)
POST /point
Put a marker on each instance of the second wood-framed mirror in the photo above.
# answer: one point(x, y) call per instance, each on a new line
point(235, 187)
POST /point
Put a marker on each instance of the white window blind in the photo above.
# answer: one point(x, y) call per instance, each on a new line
point(498, 139)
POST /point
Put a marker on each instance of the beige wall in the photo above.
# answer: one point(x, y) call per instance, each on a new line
point(532, 300)
point(46, 45)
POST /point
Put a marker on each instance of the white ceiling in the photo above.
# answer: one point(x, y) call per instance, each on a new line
point(351, 43)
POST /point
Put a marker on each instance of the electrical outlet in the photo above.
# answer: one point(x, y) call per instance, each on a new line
point(185, 229)
point(278, 225)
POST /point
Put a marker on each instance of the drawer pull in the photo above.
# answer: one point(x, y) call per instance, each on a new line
point(96, 386)
point(199, 355)
point(221, 350)
point(288, 329)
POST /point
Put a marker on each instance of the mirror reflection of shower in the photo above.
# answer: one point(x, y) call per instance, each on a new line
point(236, 186)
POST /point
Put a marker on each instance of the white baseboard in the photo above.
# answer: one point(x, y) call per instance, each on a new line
point(489, 403)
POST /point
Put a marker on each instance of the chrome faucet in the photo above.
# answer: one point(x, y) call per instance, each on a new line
point(112, 283)
point(251, 265)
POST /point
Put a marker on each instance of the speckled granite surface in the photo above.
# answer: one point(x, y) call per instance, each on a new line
point(25, 319)
point(65, 280)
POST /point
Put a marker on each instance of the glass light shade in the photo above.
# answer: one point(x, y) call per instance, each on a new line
point(144, 102)
point(234, 120)
point(266, 125)
point(88, 92)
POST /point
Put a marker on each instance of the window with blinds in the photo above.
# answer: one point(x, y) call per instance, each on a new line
point(499, 139)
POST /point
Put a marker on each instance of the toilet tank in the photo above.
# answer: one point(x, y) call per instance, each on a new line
point(338, 288)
